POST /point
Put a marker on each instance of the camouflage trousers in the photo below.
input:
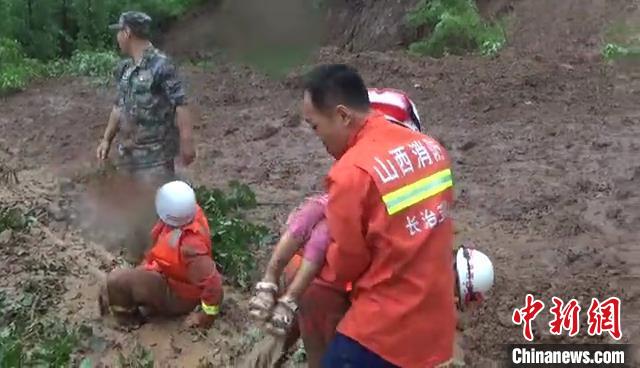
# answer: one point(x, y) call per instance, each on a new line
point(140, 213)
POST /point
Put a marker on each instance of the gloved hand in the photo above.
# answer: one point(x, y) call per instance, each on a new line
point(283, 316)
point(199, 320)
point(261, 304)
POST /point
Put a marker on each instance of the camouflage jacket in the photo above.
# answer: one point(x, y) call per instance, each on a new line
point(148, 94)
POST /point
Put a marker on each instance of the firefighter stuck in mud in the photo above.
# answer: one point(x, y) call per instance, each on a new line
point(152, 119)
point(177, 275)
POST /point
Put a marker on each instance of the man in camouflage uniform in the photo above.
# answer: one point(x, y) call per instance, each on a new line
point(150, 116)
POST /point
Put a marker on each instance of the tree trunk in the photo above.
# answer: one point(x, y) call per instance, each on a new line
point(29, 13)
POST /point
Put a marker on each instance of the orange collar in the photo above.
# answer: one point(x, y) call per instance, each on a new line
point(369, 123)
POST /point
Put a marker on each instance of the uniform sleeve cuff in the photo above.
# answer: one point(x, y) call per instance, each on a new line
point(210, 310)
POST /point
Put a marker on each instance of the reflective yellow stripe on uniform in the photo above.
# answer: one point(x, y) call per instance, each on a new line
point(418, 191)
point(211, 310)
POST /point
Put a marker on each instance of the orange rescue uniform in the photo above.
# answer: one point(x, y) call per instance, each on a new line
point(183, 256)
point(392, 238)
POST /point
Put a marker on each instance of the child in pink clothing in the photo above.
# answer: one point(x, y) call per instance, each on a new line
point(306, 231)
point(308, 225)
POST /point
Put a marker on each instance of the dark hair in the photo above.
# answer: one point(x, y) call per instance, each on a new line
point(333, 84)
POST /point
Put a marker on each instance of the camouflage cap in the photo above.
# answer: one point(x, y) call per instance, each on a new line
point(138, 22)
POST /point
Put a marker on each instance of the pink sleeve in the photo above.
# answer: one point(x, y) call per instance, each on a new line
point(302, 221)
point(316, 247)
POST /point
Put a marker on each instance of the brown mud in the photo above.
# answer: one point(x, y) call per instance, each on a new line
point(545, 139)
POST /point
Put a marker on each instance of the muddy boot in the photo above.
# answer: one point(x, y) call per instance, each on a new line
point(131, 318)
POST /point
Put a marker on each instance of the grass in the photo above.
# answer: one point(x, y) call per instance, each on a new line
point(12, 218)
point(39, 342)
point(612, 51)
point(27, 337)
point(17, 70)
point(138, 358)
point(456, 27)
point(622, 41)
point(28, 340)
point(32, 336)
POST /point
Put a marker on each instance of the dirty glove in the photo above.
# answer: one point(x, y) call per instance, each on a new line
point(283, 315)
point(199, 320)
point(261, 304)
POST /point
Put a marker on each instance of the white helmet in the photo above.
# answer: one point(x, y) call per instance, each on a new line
point(176, 203)
point(475, 274)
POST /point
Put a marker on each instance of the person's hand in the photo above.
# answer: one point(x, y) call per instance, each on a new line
point(261, 304)
point(102, 152)
point(187, 152)
point(199, 320)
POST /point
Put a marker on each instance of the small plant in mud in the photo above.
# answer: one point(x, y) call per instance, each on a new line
point(612, 51)
point(622, 41)
point(12, 218)
point(28, 337)
point(456, 28)
point(29, 340)
point(138, 358)
point(232, 235)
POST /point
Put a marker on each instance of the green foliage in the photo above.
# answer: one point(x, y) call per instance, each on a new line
point(232, 235)
point(37, 37)
point(16, 71)
point(622, 41)
point(27, 340)
point(456, 28)
point(13, 219)
point(300, 354)
point(48, 29)
point(97, 65)
point(32, 340)
point(612, 51)
point(138, 358)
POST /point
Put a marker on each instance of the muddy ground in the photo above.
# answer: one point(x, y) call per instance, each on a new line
point(545, 140)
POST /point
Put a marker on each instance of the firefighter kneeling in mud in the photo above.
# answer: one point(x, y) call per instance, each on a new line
point(177, 274)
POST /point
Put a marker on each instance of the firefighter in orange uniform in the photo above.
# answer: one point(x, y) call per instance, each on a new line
point(389, 194)
point(178, 274)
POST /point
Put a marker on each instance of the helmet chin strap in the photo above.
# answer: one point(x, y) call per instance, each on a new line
point(471, 295)
point(178, 220)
